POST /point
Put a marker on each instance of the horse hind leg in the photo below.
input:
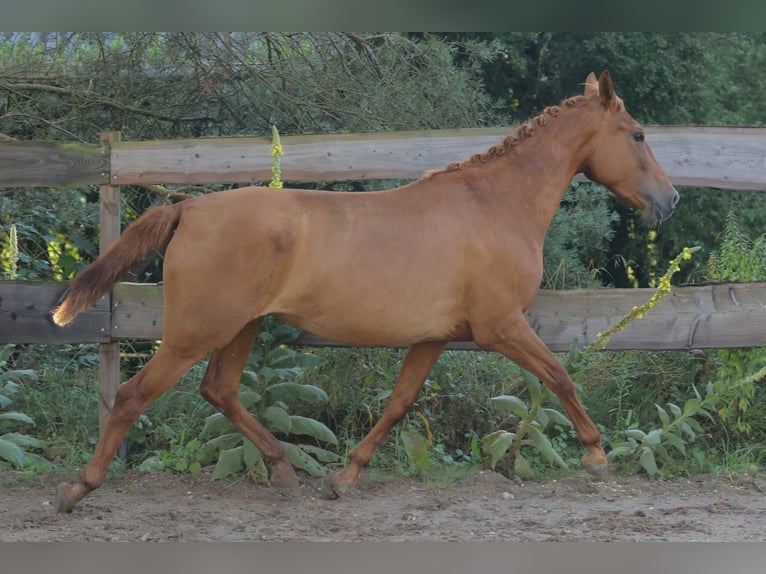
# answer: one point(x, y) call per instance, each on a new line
point(220, 387)
point(417, 365)
point(161, 372)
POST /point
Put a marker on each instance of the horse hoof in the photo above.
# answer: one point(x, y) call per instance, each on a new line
point(65, 502)
point(285, 482)
point(336, 487)
point(598, 471)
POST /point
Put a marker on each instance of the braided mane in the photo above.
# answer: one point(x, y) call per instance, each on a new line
point(511, 141)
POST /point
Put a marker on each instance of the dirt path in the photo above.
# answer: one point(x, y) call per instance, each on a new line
point(487, 506)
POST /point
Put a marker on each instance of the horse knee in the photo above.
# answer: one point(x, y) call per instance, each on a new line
point(399, 406)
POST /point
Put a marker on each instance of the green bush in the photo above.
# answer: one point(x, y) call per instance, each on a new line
point(14, 445)
point(577, 242)
point(739, 257)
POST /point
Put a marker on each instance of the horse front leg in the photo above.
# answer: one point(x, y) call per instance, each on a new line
point(417, 365)
point(517, 341)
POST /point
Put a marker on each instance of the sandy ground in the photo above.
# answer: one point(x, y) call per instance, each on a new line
point(485, 507)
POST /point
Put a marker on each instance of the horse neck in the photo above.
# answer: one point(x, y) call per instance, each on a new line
point(533, 178)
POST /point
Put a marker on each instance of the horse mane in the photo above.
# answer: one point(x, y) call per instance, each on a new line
point(511, 141)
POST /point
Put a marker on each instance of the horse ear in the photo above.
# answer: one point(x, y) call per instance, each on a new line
point(591, 85)
point(606, 90)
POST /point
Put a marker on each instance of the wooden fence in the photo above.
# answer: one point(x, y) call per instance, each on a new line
point(709, 316)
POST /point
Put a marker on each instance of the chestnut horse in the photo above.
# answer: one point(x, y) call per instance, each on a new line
point(453, 256)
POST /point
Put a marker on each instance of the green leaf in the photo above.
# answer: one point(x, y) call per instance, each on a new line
point(10, 388)
point(22, 440)
point(312, 428)
point(496, 445)
point(37, 460)
point(216, 424)
point(636, 434)
point(249, 398)
point(277, 418)
point(280, 358)
point(695, 425)
point(151, 464)
point(545, 447)
point(6, 351)
point(533, 384)
point(248, 378)
point(511, 403)
point(300, 459)
point(647, 461)
point(684, 427)
point(522, 468)
point(321, 454)
point(11, 452)
point(676, 441)
point(9, 376)
point(415, 446)
point(307, 361)
point(653, 437)
point(692, 406)
point(209, 451)
point(290, 392)
point(21, 417)
point(230, 463)
point(283, 333)
point(250, 454)
point(620, 450)
point(675, 409)
point(541, 417)
point(664, 418)
point(558, 418)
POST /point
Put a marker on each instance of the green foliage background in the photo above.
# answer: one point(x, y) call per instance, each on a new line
point(71, 86)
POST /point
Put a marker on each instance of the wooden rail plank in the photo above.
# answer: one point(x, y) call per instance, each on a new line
point(52, 164)
point(696, 317)
point(726, 157)
point(25, 317)
point(327, 157)
point(723, 157)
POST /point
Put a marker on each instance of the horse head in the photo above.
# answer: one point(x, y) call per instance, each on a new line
point(619, 157)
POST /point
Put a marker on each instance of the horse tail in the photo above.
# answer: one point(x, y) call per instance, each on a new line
point(151, 231)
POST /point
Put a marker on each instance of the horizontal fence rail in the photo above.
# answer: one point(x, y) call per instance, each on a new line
point(724, 157)
point(722, 315)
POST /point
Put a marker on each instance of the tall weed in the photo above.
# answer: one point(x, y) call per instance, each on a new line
point(738, 371)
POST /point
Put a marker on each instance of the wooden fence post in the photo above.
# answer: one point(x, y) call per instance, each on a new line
point(109, 353)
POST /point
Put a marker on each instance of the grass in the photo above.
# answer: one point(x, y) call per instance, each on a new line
point(619, 390)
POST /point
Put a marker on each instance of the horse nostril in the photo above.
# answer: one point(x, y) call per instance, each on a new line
point(674, 200)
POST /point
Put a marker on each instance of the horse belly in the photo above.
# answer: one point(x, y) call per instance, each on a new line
point(377, 317)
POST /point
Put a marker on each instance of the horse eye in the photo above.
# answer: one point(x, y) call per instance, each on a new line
point(638, 136)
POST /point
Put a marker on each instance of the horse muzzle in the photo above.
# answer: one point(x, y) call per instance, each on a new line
point(660, 211)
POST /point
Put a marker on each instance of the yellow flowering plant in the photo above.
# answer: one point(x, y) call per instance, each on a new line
point(639, 311)
point(276, 152)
